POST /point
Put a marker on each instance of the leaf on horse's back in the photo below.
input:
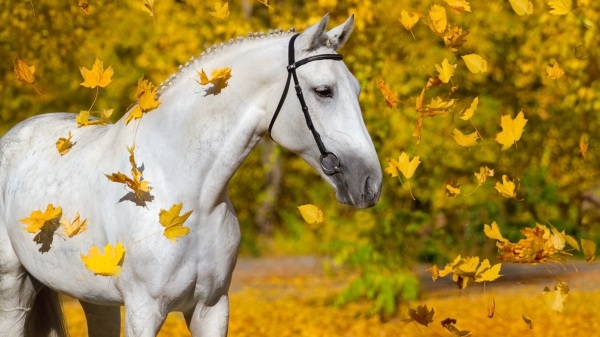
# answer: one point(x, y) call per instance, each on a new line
point(37, 219)
point(107, 263)
point(71, 229)
point(97, 76)
point(218, 78)
point(173, 222)
point(141, 188)
point(145, 98)
point(63, 145)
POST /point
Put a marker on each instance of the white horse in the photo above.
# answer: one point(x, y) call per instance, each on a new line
point(188, 148)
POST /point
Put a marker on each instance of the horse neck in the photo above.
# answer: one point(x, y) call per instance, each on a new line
point(201, 139)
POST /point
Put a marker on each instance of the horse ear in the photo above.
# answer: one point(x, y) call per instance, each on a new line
point(340, 34)
point(314, 36)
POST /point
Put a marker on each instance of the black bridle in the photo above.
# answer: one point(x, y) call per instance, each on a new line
point(291, 68)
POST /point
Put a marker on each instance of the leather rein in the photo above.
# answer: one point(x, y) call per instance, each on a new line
point(291, 68)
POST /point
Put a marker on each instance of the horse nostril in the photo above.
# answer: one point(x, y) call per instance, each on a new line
point(370, 192)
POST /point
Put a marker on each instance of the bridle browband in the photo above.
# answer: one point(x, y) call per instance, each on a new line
point(291, 68)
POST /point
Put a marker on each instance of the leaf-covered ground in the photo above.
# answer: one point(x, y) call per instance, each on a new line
point(292, 297)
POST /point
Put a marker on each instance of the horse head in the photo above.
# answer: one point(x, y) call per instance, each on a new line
point(336, 142)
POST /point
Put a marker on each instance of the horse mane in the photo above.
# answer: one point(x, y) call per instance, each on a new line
point(215, 48)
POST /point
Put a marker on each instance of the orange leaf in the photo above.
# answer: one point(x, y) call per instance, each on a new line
point(97, 76)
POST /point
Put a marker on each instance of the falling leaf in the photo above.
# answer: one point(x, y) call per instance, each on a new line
point(554, 72)
point(527, 321)
point(173, 222)
point(512, 129)
point(23, 71)
point(435, 272)
point(487, 272)
point(219, 78)
point(560, 7)
point(459, 6)
point(71, 229)
point(97, 76)
point(475, 63)
point(37, 219)
point(391, 97)
point(63, 145)
point(484, 172)
point(148, 7)
point(140, 187)
point(84, 5)
point(455, 37)
point(506, 188)
point(491, 309)
point(583, 145)
point(452, 189)
point(556, 297)
point(407, 20)
point(145, 97)
point(221, 10)
point(311, 214)
point(406, 166)
point(437, 19)
point(589, 250)
point(446, 70)
point(465, 140)
point(449, 323)
point(493, 232)
point(107, 263)
point(521, 7)
point(421, 315)
point(468, 113)
point(266, 3)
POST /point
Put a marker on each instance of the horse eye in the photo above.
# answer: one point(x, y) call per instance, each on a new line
point(324, 91)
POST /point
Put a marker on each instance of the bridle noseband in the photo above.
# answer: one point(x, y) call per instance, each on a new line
point(291, 68)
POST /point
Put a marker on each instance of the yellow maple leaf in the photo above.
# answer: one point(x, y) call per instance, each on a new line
point(218, 78)
point(484, 172)
point(23, 71)
point(487, 272)
point(554, 72)
point(493, 231)
point(97, 76)
point(465, 140)
point(136, 183)
point(475, 63)
point(407, 20)
point(560, 7)
point(521, 7)
point(556, 297)
point(446, 70)
point(71, 229)
point(38, 219)
point(452, 190)
point(506, 188)
point(63, 145)
point(107, 263)
point(221, 10)
point(173, 222)
point(459, 6)
point(406, 166)
point(466, 114)
point(391, 97)
point(512, 129)
point(437, 19)
point(311, 214)
point(589, 250)
point(455, 37)
point(145, 96)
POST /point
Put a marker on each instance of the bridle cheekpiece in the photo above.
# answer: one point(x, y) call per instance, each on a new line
point(291, 68)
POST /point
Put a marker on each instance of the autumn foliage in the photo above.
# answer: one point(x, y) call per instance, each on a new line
point(482, 113)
